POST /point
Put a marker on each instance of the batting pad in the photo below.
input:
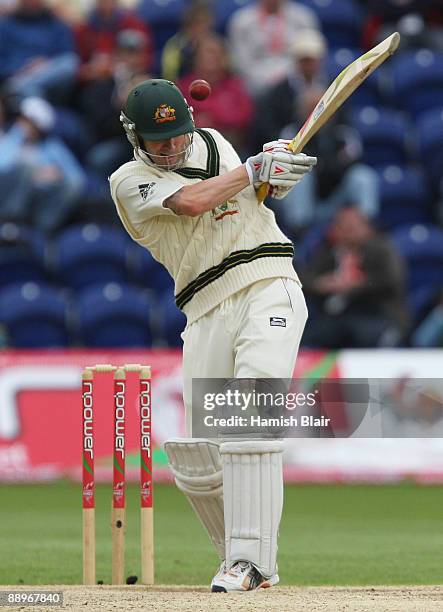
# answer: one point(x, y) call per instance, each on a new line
point(197, 469)
point(253, 501)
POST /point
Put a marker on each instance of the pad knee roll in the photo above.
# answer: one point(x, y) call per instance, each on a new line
point(197, 470)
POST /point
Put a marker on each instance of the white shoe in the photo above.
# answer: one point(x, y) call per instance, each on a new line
point(242, 576)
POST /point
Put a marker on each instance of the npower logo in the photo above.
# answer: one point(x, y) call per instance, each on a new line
point(145, 416)
point(88, 427)
point(119, 398)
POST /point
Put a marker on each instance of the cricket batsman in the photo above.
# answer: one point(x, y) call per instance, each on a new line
point(187, 198)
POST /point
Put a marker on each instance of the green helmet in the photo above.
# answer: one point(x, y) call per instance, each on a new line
point(157, 110)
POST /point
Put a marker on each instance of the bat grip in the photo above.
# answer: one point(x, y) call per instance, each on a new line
point(262, 192)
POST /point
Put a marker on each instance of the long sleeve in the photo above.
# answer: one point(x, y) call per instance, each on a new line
point(10, 147)
point(60, 155)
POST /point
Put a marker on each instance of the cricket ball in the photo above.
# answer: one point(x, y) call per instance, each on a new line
point(199, 89)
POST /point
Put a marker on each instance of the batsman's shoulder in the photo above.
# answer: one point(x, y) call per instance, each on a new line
point(132, 170)
point(214, 133)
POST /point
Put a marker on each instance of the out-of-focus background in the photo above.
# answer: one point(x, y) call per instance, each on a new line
point(366, 224)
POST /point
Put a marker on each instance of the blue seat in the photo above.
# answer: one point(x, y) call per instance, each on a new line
point(35, 316)
point(148, 272)
point(369, 92)
point(72, 129)
point(404, 197)
point(89, 254)
point(306, 247)
point(430, 143)
point(341, 21)
point(114, 315)
point(22, 254)
point(417, 80)
point(422, 247)
point(173, 320)
point(224, 10)
point(383, 133)
point(421, 299)
point(164, 18)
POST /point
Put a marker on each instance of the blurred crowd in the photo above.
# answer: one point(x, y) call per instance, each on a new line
point(366, 223)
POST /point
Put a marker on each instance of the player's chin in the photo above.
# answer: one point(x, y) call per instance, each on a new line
point(167, 161)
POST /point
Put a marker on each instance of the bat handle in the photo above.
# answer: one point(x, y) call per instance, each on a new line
point(262, 192)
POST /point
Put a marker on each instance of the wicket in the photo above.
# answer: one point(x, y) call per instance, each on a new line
point(118, 518)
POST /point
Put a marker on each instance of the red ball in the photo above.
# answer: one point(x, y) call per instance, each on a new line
point(199, 89)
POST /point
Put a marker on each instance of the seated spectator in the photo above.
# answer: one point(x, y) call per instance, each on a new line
point(355, 280)
point(40, 179)
point(37, 55)
point(97, 39)
point(130, 63)
point(277, 107)
point(260, 37)
point(229, 108)
point(177, 58)
point(339, 176)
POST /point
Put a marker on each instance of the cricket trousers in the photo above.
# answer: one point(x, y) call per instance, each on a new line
point(255, 333)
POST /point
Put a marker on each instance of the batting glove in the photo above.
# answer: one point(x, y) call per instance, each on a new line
point(285, 169)
point(253, 167)
point(276, 145)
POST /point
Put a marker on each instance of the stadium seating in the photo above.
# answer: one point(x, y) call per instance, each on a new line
point(383, 133)
point(114, 315)
point(224, 10)
point(341, 21)
point(369, 92)
point(430, 144)
point(404, 197)
point(417, 78)
point(173, 321)
point(164, 17)
point(88, 254)
point(147, 272)
point(35, 315)
point(422, 247)
point(306, 247)
point(22, 254)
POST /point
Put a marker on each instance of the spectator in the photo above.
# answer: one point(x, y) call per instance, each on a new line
point(339, 177)
point(37, 56)
point(39, 177)
point(277, 107)
point(355, 280)
point(260, 36)
point(97, 39)
point(129, 67)
point(178, 54)
point(229, 108)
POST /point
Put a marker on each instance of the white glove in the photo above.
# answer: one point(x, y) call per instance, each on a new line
point(279, 168)
point(285, 169)
point(253, 167)
point(276, 145)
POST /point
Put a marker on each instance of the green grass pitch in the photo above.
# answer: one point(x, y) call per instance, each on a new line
point(330, 535)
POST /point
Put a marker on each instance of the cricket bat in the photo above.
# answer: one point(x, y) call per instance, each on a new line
point(340, 89)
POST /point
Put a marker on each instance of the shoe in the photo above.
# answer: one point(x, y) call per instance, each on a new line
point(242, 576)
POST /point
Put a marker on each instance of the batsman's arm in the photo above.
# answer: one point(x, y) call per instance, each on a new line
point(194, 200)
